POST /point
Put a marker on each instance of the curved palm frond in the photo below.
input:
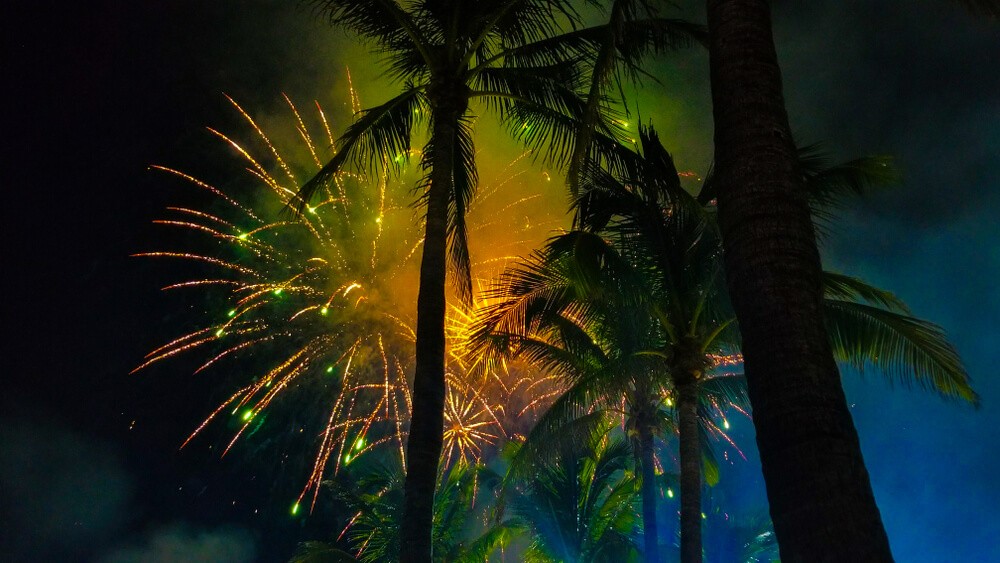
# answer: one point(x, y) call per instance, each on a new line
point(465, 179)
point(380, 135)
point(619, 47)
point(830, 187)
point(848, 288)
point(383, 22)
point(904, 348)
point(320, 552)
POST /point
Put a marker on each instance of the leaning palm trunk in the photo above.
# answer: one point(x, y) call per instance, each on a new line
point(423, 447)
point(690, 454)
point(819, 491)
point(649, 531)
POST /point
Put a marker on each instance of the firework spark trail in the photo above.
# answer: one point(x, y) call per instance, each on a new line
point(310, 300)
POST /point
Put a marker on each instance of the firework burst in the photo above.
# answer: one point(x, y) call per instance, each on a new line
point(317, 305)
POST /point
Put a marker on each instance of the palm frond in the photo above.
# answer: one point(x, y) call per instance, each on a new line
point(466, 179)
point(728, 389)
point(831, 187)
point(509, 23)
point(320, 552)
point(495, 538)
point(905, 349)
point(381, 134)
point(384, 22)
point(847, 288)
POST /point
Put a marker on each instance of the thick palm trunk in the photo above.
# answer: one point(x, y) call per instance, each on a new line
point(649, 531)
point(690, 453)
point(423, 447)
point(819, 491)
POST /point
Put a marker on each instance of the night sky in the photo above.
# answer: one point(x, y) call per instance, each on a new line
point(89, 465)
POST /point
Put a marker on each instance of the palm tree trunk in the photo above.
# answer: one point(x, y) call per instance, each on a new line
point(819, 491)
point(650, 535)
point(423, 447)
point(690, 453)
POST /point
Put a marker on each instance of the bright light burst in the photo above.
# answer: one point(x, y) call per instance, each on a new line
point(319, 304)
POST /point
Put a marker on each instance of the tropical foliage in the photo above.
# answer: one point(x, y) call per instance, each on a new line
point(514, 59)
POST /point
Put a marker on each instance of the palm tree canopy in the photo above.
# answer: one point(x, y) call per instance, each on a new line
point(579, 504)
point(524, 59)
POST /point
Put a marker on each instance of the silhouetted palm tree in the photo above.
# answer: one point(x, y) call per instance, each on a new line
point(638, 310)
point(577, 503)
point(511, 56)
point(819, 491)
point(371, 494)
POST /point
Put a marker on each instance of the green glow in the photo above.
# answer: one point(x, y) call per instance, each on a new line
point(248, 414)
point(725, 424)
point(329, 369)
point(670, 493)
point(703, 516)
point(312, 210)
point(347, 459)
point(360, 443)
point(278, 291)
point(295, 509)
point(219, 333)
point(324, 311)
point(243, 236)
point(232, 312)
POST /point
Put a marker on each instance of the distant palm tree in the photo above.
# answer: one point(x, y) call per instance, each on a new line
point(511, 56)
point(371, 493)
point(819, 491)
point(581, 310)
point(577, 504)
point(638, 311)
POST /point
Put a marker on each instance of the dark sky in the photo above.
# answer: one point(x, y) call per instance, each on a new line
point(102, 90)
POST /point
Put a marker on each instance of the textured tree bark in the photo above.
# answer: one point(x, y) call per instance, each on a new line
point(423, 447)
point(690, 454)
point(650, 536)
point(819, 491)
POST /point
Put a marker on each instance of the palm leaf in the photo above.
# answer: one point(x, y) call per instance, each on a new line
point(847, 288)
point(384, 22)
point(381, 134)
point(905, 349)
point(320, 552)
point(466, 179)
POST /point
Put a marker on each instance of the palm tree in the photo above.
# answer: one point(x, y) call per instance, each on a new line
point(448, 54)
point(371, 493)
point(641, 309)
point(577, 504)
point(508, 54)
point(581, 310)
point(819, 490)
